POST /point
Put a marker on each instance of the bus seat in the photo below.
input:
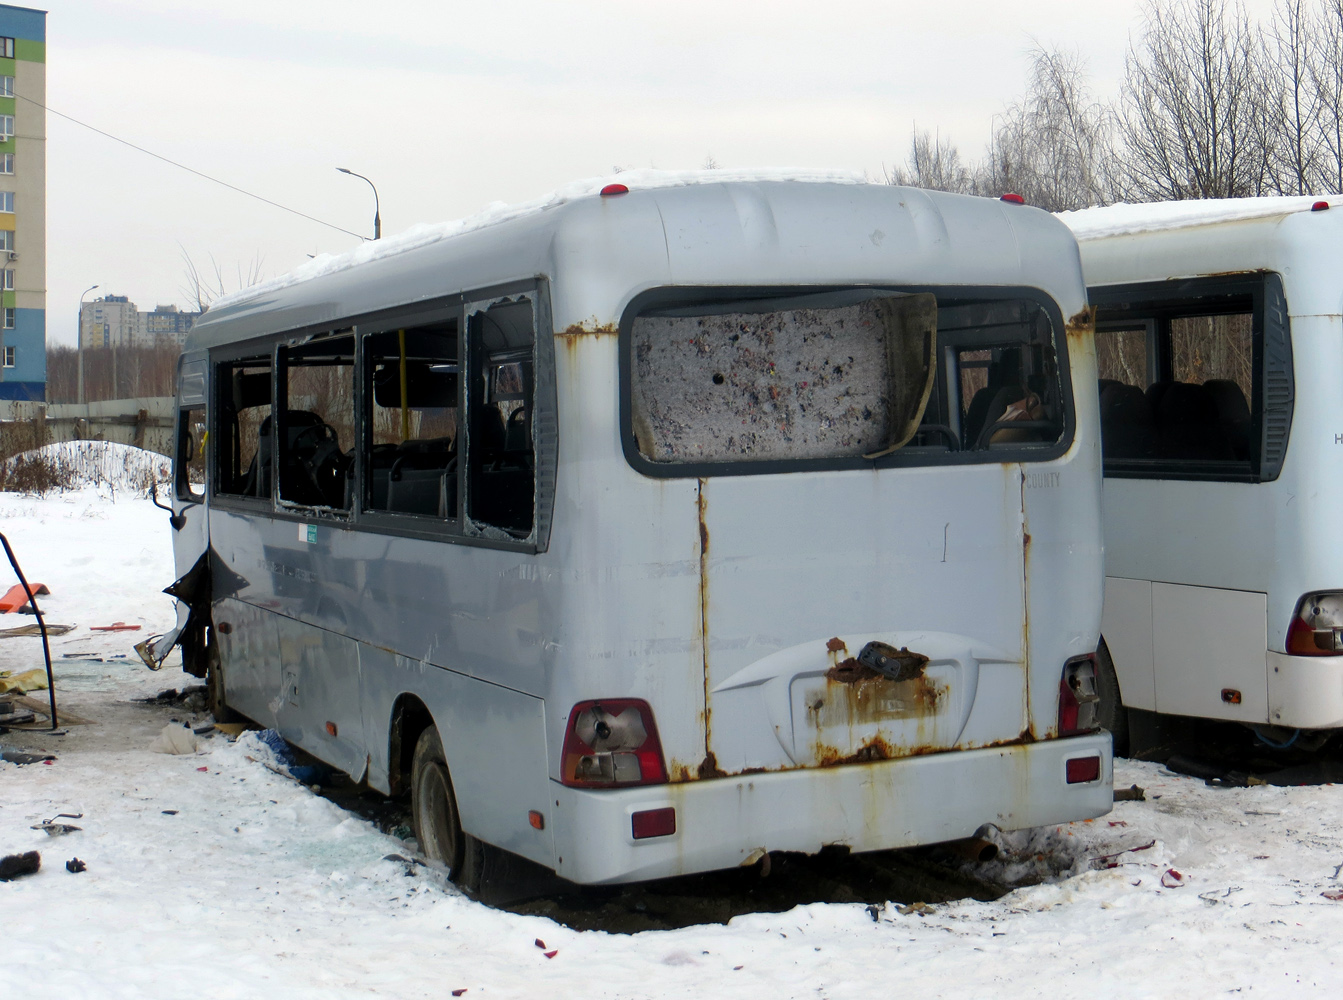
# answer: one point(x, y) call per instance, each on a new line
point(515, 432)
point(1189, 425)
point(1128, 428)
point(1233, 413)
point(422, 491)
point(490, 435)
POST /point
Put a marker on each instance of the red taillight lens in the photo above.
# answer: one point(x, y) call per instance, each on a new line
point(1317, 626)
point(614, 189)
point(1012, 199)
point(653, 823)
point(1078, 698)
point(612, 743)
point(1083, 769)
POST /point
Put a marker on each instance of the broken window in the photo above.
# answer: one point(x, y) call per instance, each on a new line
point(316, 433)
point(243, 467)
point(852, 376)
point(500, 450)
point(191, 440)
point(838, 376)
point(1178, 390)
point(412, 385)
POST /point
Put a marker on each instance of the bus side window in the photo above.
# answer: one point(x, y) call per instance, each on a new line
point(501, 456)
point(242, 457)
point(316, 436)
point(191, 440)
point(411, 464)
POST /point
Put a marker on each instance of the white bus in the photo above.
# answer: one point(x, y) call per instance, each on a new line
point(650, 530)
point(1220, 350)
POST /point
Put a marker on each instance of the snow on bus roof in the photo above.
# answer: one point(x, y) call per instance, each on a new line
point(1124, 219)
point(499, 212)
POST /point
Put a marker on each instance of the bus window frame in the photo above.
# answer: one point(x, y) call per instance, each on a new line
point(1156, 303)
point(910, 456)
point(362, 325)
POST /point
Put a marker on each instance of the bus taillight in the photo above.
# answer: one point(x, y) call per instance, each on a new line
point(608, 744)
point(1078, 698)
point(1317, 626)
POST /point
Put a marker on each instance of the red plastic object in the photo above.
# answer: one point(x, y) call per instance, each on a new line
point(15, 597)
point(1320, 206)
point(653, 823)
point(611, 189)
point(1080, 770)
point(1014, 199)
point(552, 954)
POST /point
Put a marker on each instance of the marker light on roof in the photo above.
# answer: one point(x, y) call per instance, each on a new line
point(1015, 199)
point(1320, 206)
point(611, 189)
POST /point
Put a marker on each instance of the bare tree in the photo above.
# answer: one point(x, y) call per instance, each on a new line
point(1292, 138)
point(933, 163)
point(1326, 77)
point(1192, 109)
point(201, 287)
point(1054, 147)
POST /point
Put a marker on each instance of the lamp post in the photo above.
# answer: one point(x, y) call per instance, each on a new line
point(377, 214)
point(79, 339)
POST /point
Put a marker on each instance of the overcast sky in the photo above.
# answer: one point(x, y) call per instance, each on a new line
point(449, 106)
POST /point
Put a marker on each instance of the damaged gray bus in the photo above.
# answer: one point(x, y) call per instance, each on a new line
point(666, 525)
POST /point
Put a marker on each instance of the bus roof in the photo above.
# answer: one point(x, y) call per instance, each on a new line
point(1127, 220)
point(1125, 244)
point(719, 227)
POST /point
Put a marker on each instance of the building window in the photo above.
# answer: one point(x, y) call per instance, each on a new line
point(6, 163)
point(9, 318)
point(7, 48)
point(6, 241)
point(6, 86)
point(6, 128)
point(9, 355)
point(6, 201)
point(9, 279)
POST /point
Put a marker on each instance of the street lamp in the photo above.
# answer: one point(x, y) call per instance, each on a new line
point(377, 216)
point(79, 339)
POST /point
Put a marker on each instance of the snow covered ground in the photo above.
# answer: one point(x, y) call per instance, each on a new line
point(211, 876)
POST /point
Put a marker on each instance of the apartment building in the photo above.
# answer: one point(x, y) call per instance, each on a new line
point(23, 203)
point(116, 321)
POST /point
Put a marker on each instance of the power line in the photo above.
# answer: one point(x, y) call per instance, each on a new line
point(191, 170)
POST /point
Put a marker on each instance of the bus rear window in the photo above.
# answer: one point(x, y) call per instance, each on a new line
point(842, 378)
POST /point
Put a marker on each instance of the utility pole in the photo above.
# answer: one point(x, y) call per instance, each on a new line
point(377, 209)
point(79, 341)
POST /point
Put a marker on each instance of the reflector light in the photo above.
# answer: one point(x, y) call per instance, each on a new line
point(1014, 199)
point(1320, 206)
point(612, 743)
point(611, 189)
point(653, 823)
point(1083, 769)
point(536, 820)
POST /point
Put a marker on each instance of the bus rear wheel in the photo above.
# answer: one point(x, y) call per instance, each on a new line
point(434, 815)
point(1111, 713)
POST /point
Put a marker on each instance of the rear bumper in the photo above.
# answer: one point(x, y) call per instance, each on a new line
point(722, 822)
point(1305, 692)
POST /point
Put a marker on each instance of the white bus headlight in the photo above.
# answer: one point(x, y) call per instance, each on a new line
point(1317, 626)
point(611, 743)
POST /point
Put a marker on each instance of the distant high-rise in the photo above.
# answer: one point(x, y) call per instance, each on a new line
point(116, 321)
point(23, 203)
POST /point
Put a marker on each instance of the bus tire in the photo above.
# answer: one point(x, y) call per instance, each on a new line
point(434, 816)
point(1111, 713)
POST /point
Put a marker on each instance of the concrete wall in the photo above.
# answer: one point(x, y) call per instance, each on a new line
point(146, 422)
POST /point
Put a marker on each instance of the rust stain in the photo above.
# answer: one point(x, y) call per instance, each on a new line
point(590, 329)
point(1083, 324)
point(836, 644)
point(855, 694)
point(707, 768)
point(874, 749)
